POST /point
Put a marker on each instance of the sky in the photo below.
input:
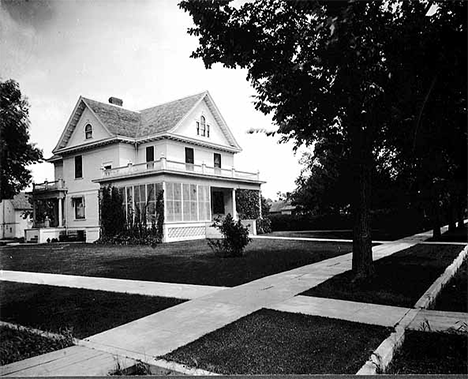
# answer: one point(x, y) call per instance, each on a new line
point(138, 51)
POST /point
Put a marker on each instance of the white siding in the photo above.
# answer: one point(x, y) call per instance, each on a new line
point(78, 135)
point(188, 126)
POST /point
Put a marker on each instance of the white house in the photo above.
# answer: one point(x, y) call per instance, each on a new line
point(12, 222)
point(183, 147)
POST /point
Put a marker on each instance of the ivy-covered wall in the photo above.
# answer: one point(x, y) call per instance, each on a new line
point(248, 204)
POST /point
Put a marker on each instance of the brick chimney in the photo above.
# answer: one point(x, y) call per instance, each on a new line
point(116, 101)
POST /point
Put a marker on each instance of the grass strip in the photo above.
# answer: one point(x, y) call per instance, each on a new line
point(271, 342)
point(81, 312)
point(399, 280)
point(18, 344)
point(431, 353)
point(459, 234)
point(190, 262)
point(454, 296)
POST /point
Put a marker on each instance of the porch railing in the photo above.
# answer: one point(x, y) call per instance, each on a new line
point(49, 186)
point(164, 164)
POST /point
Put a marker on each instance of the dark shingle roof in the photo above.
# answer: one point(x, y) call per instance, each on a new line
point(164, 117)
point(119, 121)
point(20, 201)
point(158, 119)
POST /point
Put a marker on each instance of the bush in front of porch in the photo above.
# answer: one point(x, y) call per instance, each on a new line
point(235, 237)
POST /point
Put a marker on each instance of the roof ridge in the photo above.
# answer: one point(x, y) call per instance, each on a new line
point(111, 105)
point(173, 101)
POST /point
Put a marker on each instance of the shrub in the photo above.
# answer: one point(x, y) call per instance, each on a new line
point(263, 225)
point(235, 238)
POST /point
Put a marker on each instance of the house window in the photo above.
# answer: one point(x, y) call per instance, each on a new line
point(202, 126)
point(173, 202)
point(140, 203)
point(79, 205)
point(208, 131)
point(217, 160)
point(88, 131)
point(78, 167)
point(189, 155)
point(198, 128)
point(150, 157)
point(203, 203)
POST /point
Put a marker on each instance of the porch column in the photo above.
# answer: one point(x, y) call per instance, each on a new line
point(34, 212)
point(234, 212)
point(260, 204)
point(60, 216)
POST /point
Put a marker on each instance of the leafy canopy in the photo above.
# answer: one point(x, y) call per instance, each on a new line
point(15, 150)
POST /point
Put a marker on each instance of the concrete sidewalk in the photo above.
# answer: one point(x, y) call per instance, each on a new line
point(172, 328)
point(139, 287)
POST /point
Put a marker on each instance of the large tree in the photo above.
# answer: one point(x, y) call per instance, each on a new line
point(15, 150)
point(323, 70)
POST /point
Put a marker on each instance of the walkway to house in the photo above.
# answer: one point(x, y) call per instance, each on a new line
point(174, 327)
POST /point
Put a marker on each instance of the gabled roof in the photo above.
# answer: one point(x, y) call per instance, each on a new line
point(280, 206)
point(21, 202)
point(118, 121)
point(164, 118)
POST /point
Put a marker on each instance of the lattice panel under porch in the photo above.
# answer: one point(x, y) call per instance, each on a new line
point(185, 232)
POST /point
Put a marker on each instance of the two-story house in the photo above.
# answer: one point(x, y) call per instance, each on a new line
point(183, 147)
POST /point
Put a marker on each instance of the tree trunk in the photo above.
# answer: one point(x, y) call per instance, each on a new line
point(435, 218)
point(461, 209)
point(362, 264)
point(452, 213)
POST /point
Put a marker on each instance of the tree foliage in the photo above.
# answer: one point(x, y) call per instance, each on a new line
point(338, 71)
point(15, 150)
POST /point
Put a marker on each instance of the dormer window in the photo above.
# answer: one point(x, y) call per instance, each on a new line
point(88, 131)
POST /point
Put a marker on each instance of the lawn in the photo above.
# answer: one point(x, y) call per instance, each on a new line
point(190, 262)
point(83, 312)
point(456, 235)
point(454, 296)
point(399, 280)
point(269, 342)
point(431, 353)
point(377, 234)
point(20, 344)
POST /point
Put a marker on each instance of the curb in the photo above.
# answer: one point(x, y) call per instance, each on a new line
point(430, 296)
point(382, 356)
point(182, 369)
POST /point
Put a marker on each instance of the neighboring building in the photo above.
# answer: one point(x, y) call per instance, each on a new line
point(183, 147)
point(12, 222)
point(282, 207)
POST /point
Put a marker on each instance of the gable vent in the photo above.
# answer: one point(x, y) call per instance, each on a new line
point(116, 101)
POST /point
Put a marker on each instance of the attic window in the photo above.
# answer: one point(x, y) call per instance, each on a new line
point(203, 129)
point(202, 126)
point(88, 131)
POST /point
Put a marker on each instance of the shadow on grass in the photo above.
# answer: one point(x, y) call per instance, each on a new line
point(190, 262)
point(456, 235)
point(431, 353)
point(454, 296)
point(399, 280)
point(20, 344)
point(270, 342)
point(84, 312)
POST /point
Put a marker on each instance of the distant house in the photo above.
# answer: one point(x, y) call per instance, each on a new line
point(282, 207)
point(12, 223)
point(183, 147)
